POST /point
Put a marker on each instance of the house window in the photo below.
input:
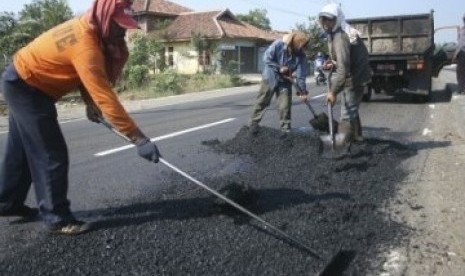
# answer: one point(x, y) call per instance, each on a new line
point(171, 56)
point(204, 58)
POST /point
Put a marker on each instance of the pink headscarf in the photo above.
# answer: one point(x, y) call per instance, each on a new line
point(99, 17)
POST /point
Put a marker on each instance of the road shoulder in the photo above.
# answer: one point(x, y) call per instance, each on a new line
point(432, 200)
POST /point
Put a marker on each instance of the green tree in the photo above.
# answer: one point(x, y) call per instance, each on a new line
point(34, 18)
point(257, 18)
point(144, 56)
point(7, 22)
point(7, 26)
point(207, 50)
point(314, 31)
point(157, 54)
point(146, 51)
point(139, 50)
point(42, 15)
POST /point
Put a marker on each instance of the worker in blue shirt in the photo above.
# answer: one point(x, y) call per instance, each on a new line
point(284, 60)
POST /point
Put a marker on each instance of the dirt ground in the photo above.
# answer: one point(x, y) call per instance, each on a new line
point(432, 201)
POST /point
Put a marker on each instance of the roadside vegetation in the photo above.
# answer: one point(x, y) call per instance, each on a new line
point(170, 83)
point(146, 74)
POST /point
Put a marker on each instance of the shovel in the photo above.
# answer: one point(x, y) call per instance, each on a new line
point(334, 145)
point(334, 267)
point(319, 121)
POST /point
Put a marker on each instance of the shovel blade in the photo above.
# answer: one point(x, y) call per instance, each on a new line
point(333, 147)
point(339, 263)
point(320, 122)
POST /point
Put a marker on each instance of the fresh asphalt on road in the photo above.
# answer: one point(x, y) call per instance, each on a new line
point(96, 180)
point(98, 184)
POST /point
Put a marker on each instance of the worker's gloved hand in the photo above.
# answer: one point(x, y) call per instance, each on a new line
point(148, 150)
point(93, 113)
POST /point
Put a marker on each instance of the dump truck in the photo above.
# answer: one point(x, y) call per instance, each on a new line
point(401, 52)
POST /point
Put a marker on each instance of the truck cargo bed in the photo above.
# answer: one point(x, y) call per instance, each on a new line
point(396, 35)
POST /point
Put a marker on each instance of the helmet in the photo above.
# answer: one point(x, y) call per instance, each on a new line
point(319, 54)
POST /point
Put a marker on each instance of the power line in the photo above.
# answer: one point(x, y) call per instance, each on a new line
point(275, 8)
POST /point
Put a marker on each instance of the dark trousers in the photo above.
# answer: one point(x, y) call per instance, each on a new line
point(35, 152)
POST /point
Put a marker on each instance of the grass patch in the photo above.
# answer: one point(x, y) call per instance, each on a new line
point(171, 83)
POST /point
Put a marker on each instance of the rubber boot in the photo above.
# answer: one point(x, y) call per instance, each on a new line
point(345, 127)
point(357, 130)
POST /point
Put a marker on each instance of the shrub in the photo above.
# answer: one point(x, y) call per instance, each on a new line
point(168, 82)
point(138, 76)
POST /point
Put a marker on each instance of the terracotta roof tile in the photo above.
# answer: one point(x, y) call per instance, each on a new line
point(197, 22)
point(214, 24)
point(159, 6)
point(237, 29)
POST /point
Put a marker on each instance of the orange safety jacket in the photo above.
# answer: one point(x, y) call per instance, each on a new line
point(65, 57)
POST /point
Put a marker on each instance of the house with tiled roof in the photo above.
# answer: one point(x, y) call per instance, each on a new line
point(237, 42)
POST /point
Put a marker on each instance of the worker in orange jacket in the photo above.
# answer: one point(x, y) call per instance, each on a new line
point(87, 52)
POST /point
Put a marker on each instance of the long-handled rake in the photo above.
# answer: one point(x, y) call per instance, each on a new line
point(336, 265)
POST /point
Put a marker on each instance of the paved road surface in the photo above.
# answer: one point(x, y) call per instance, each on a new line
point(181, 124)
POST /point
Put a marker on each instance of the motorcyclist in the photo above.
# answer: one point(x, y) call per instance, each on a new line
point(320, 60)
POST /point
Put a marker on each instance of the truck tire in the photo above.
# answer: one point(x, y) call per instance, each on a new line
point(422, 98)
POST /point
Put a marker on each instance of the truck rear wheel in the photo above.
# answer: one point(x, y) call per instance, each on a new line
point(421, 98)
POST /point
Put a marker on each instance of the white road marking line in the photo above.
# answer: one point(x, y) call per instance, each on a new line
point(163, 137)
point(426, 131)
point(72, 120)
point(319, 96)
point(163, 105)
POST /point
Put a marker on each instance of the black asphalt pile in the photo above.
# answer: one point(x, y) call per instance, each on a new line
point(326, 204)
point(241, 194)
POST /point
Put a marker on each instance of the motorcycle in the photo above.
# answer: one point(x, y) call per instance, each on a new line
point(320, 78)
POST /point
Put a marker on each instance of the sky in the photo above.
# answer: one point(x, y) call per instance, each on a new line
point(284, 15)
